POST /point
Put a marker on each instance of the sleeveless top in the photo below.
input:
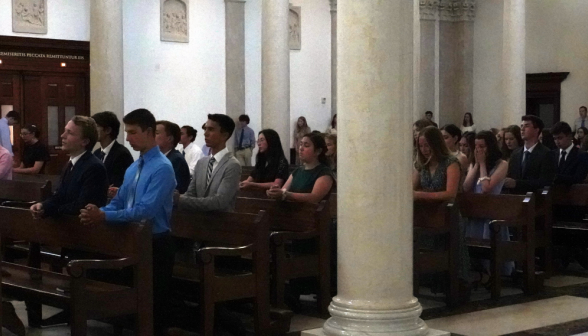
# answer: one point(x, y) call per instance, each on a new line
point(437, 181)
point(497, 189)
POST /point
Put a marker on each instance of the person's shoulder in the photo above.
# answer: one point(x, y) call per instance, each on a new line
point(232, 160)
point(542, 149)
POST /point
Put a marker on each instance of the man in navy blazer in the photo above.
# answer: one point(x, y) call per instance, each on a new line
point(570, 165)
point(84, 178)
point(116, 157)
point(529, 167)
point(167, 137)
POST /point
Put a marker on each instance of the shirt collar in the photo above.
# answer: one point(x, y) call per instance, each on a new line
point(220, 155)
point(74, 160)
point(530, 150)
point(167, 152)
point(189, 146)
point(153, 152)
point(107, 149)
point(568, 150)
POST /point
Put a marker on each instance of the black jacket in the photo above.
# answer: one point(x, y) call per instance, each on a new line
point(180, 169)
point(539, 170)
point(573, 170)
point(117, 161)
point(85, 183)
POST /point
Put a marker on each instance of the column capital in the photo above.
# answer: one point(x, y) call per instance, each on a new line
point(238, 1)
point(447, 10)
point(333, 5)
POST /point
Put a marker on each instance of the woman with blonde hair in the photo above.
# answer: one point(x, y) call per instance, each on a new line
point(331, 140)
point(300, 131)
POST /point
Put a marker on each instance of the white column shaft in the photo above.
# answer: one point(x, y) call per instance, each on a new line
point(275, 63)
point(513, 62)
point(333, 57)
point(375, 83)
point(106, 57)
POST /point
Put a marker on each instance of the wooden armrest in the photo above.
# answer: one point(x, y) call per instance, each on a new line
point(78, 268)
point(18, 204)
point(207, 254)
point(280, 237)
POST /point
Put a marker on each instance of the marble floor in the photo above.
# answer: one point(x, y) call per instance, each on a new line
point(561, 308)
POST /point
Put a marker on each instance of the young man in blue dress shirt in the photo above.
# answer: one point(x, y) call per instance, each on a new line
point(146, 194)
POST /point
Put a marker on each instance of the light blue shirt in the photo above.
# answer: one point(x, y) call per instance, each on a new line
point(248, 138)
point(153, 196)
point(5, 135)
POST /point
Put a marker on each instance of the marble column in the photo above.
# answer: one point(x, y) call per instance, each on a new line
point(375, 82)
point(106, 58)
point(235, 59)
point(275, 69)
point(513, 62)
point(333, 57)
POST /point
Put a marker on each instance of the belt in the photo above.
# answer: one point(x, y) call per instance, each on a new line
point(242, 148)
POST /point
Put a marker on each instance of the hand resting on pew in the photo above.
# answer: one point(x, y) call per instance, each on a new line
point(91, 215)
point(37, 210)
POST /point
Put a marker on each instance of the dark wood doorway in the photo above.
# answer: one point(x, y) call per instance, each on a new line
point(47, 81)
point(544, 96)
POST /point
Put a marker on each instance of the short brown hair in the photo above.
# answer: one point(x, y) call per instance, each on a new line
point(171, 129)
point(89, 129)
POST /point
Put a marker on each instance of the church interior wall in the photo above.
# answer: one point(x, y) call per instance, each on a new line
point(66, 20)
point(556, 33)
point(180, 82)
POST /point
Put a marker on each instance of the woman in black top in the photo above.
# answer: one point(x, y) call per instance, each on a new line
point(271, 166)
point(35, 154)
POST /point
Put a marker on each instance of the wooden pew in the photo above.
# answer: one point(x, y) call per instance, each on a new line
point(293, 221)
point(54, 179)
point(505, 210)
point(87, 299)
point(25, 191)
point(543, 228)
point(238, 235)
point(437, 219)
point(570, 209)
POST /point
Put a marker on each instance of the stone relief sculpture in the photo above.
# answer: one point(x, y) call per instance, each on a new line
point(174, 20)
point(295, 41)
point(29, 16)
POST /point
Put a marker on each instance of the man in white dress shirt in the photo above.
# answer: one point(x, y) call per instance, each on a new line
point(192, 153)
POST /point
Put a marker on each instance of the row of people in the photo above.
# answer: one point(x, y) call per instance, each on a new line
point(149, 186)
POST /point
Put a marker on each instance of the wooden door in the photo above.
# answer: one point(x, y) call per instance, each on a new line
point(51, 101)
point(11, 99)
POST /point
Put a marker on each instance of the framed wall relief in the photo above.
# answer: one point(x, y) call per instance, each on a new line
point(174, 20)
point(29, 16)
point(294, 21)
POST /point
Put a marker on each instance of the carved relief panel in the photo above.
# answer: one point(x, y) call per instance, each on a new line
point(29, 16)
point(294, 30)
point(174, 20)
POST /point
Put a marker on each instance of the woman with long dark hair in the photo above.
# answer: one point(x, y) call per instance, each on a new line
point(467, 124)
point(312, 181)
point(271, 167)
point(486, 176)
point(452, 135)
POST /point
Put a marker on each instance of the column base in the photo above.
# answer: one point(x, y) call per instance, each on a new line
point(361, 318)
point(320, 332)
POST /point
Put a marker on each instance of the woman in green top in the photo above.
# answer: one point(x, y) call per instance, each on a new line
point(312, 181)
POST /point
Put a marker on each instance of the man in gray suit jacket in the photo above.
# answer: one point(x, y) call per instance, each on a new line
point(216, 178)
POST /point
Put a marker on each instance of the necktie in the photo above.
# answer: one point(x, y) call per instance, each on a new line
point(241, 140)
point(525, 158)
point(562, 160)
point(67, 170)
point(209, 173)
point(184, 153)
point(103, 156)
point(583, 121)
point(133, 188)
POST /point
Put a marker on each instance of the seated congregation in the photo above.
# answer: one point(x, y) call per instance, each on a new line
point(503, 194)
point(210, 241)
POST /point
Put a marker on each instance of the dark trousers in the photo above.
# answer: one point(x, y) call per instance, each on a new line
point(163, 266)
